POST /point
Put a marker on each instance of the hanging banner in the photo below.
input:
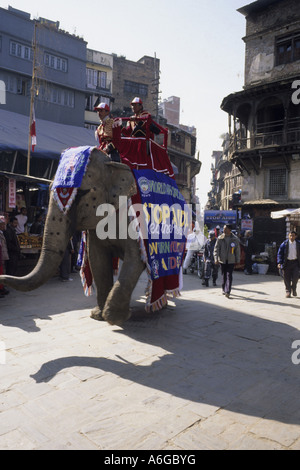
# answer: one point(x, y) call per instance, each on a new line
point(11, 193)
point(217, 217)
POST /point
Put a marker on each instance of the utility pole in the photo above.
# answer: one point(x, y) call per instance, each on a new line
point(32, 94)
point(155, 84)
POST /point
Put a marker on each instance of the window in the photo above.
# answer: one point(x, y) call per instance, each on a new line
point(103, 76)
point(277, 182)
point(288, 49)
point(54, 62)
point(17, 85)
point(97, 79)
point(178, 140)
point(20, 50)
point(91, 78)
point(138, 89)
point(57, 96)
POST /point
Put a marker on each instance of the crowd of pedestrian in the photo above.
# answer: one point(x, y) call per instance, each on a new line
point(222, 250)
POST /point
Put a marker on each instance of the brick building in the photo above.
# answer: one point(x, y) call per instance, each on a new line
point(132, 79)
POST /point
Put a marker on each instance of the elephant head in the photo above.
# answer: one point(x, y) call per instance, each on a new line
point(103, 182)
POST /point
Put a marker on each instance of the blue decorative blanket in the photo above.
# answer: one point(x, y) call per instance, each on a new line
point(71, 169)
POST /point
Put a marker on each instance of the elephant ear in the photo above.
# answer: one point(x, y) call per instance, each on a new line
point(119, 182)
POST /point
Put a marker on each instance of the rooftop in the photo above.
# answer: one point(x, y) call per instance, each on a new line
point(256, 6)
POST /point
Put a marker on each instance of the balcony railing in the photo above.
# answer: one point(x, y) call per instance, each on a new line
point(267, 139)
point(104, 87)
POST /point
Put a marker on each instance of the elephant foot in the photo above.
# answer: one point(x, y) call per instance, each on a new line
point(115, 317)
point(96, 314)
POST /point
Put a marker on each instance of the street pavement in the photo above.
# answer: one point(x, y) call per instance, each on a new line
point(206, 373)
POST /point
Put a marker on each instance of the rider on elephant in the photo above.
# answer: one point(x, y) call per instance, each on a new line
point(138, 128)
point(105, 132)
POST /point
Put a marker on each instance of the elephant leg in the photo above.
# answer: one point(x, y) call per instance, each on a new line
point(117, 306)
point(100, 260)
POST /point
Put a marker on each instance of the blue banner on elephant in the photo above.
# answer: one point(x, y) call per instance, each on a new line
point(166, 219)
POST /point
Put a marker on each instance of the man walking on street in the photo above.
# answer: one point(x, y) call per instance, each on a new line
point(210, 268)
point(288, 259)
point(227, 254)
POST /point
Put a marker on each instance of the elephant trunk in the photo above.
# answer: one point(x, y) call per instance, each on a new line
point(57, 233)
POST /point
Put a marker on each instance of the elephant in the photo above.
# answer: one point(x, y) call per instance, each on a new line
point(103, 182)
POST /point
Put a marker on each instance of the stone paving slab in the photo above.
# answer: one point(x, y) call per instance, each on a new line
point(206, 373)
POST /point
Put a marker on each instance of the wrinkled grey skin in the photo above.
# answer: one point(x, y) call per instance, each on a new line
point(103, 182)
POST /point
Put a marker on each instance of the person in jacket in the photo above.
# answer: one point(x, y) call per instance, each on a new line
point(227, 253)
point(288, 260)
point(104, 132)
point(13, 247)
point(136, 127)
point(210, 268)
point(250, 249)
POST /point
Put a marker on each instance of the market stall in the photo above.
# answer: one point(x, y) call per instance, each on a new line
point(30, 246)
point(292, 217)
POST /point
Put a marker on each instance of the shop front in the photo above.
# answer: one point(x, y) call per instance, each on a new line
point(17, 188)
point(292, 219)
point(17, 192)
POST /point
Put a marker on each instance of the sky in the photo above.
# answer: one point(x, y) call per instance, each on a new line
point(199, 44)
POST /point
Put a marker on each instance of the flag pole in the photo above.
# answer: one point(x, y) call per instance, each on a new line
point(32, 93)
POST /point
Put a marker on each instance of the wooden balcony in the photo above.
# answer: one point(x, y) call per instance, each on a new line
point(260, 140)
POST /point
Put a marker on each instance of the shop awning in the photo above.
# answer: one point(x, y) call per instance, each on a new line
point(284, 213)
point(43, 182)
point(52, 138)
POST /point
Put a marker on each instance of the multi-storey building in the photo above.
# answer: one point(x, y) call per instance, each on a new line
point(99, 73)
point(132, 79)
point(264, 117)
point(181, 148)
point(182, 153)
point(60, 68)
point(170, 109)
point(43, 66)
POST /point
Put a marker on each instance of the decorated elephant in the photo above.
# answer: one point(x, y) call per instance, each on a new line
point(103, 182)
point(87, 187)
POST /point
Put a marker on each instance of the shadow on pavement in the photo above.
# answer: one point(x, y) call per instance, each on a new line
point(211, 353)
point(215, 356)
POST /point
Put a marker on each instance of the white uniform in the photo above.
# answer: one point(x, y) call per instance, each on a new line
point(195, 241)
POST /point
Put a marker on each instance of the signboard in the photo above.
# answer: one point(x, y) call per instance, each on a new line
point(247, 224)
point(213, 218)
point(11, 193)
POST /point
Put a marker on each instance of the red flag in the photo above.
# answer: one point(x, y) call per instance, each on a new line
point(33, 131)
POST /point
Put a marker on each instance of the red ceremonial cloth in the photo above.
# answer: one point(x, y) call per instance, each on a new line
point(140, 153)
